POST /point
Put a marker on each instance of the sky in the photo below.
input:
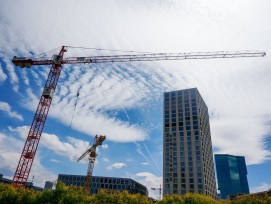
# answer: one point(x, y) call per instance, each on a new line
point(124, 101)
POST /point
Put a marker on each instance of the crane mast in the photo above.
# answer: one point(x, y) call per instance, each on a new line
point(31, 144)
point(91, 151)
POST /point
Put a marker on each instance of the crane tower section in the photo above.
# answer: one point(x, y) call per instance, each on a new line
point(29, 151)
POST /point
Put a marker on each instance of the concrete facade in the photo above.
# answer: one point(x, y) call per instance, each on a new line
point(188, 164)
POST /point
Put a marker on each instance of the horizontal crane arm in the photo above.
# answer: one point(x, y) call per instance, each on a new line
point(24, 62)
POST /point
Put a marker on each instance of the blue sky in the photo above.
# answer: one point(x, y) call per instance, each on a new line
point(124, 100)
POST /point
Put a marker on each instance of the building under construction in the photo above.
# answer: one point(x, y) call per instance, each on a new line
point(108, 183)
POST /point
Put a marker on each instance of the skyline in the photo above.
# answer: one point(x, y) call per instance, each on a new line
point(124, 100)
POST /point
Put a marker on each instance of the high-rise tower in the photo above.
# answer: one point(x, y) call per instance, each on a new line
point(188, 158)
point(231, 175)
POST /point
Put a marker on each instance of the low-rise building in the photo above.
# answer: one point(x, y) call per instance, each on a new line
point(108, 183)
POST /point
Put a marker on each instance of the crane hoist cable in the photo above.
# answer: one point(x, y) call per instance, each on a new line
point(74, 108)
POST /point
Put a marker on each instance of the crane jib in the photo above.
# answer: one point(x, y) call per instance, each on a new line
point(28, 62)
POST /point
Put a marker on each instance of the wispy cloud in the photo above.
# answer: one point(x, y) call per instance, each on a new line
point(3, 76)
point(139, 150)
point(116, 166)
point(14, 80)
point(156, 166)
point(6, 108)
point(10, 150)
point(72, 148)
point(106, 160)
point(261, 187)
point(235, 90)
point(105, 146)
point(150, 181)
point(54, 160)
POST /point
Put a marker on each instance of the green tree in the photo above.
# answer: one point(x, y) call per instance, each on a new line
point(10, 194)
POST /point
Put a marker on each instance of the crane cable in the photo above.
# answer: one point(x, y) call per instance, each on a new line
point(111, 50)
point(74, 108)
point(47, 53)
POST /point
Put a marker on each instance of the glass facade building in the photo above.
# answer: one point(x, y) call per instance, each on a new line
point(188, 164)
point(231, 175)
point(109, 183)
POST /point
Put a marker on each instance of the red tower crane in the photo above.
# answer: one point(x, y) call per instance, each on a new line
point(31, 144)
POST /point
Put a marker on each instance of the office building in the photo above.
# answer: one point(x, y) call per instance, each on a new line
point(109, 183)
point(48, 185)
point(231, 175)
point(188, 158)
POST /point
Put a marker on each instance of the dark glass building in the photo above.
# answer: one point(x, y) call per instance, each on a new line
point(109, 183)
point(188, 164)
point(231, 175)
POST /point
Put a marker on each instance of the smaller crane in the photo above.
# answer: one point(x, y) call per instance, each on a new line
point(91, 151)
point(160, 189)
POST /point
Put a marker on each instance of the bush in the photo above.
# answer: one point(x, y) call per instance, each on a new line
point(10, 194)
point(71, 194)
point(252, 199)
point(189, 198)
point(117, 197)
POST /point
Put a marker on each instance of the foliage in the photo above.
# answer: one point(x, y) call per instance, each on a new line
point(117, 197)
point(252, 199)
point(63, 194)
point(189, 198)
point(70, 194)
point(66, 195)
point(10, 194)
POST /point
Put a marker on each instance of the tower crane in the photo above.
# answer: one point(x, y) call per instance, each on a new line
point(160, 190)
point(91, 151)
point(31, 144)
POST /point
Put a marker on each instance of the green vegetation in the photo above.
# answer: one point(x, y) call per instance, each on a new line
point(70, 194)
